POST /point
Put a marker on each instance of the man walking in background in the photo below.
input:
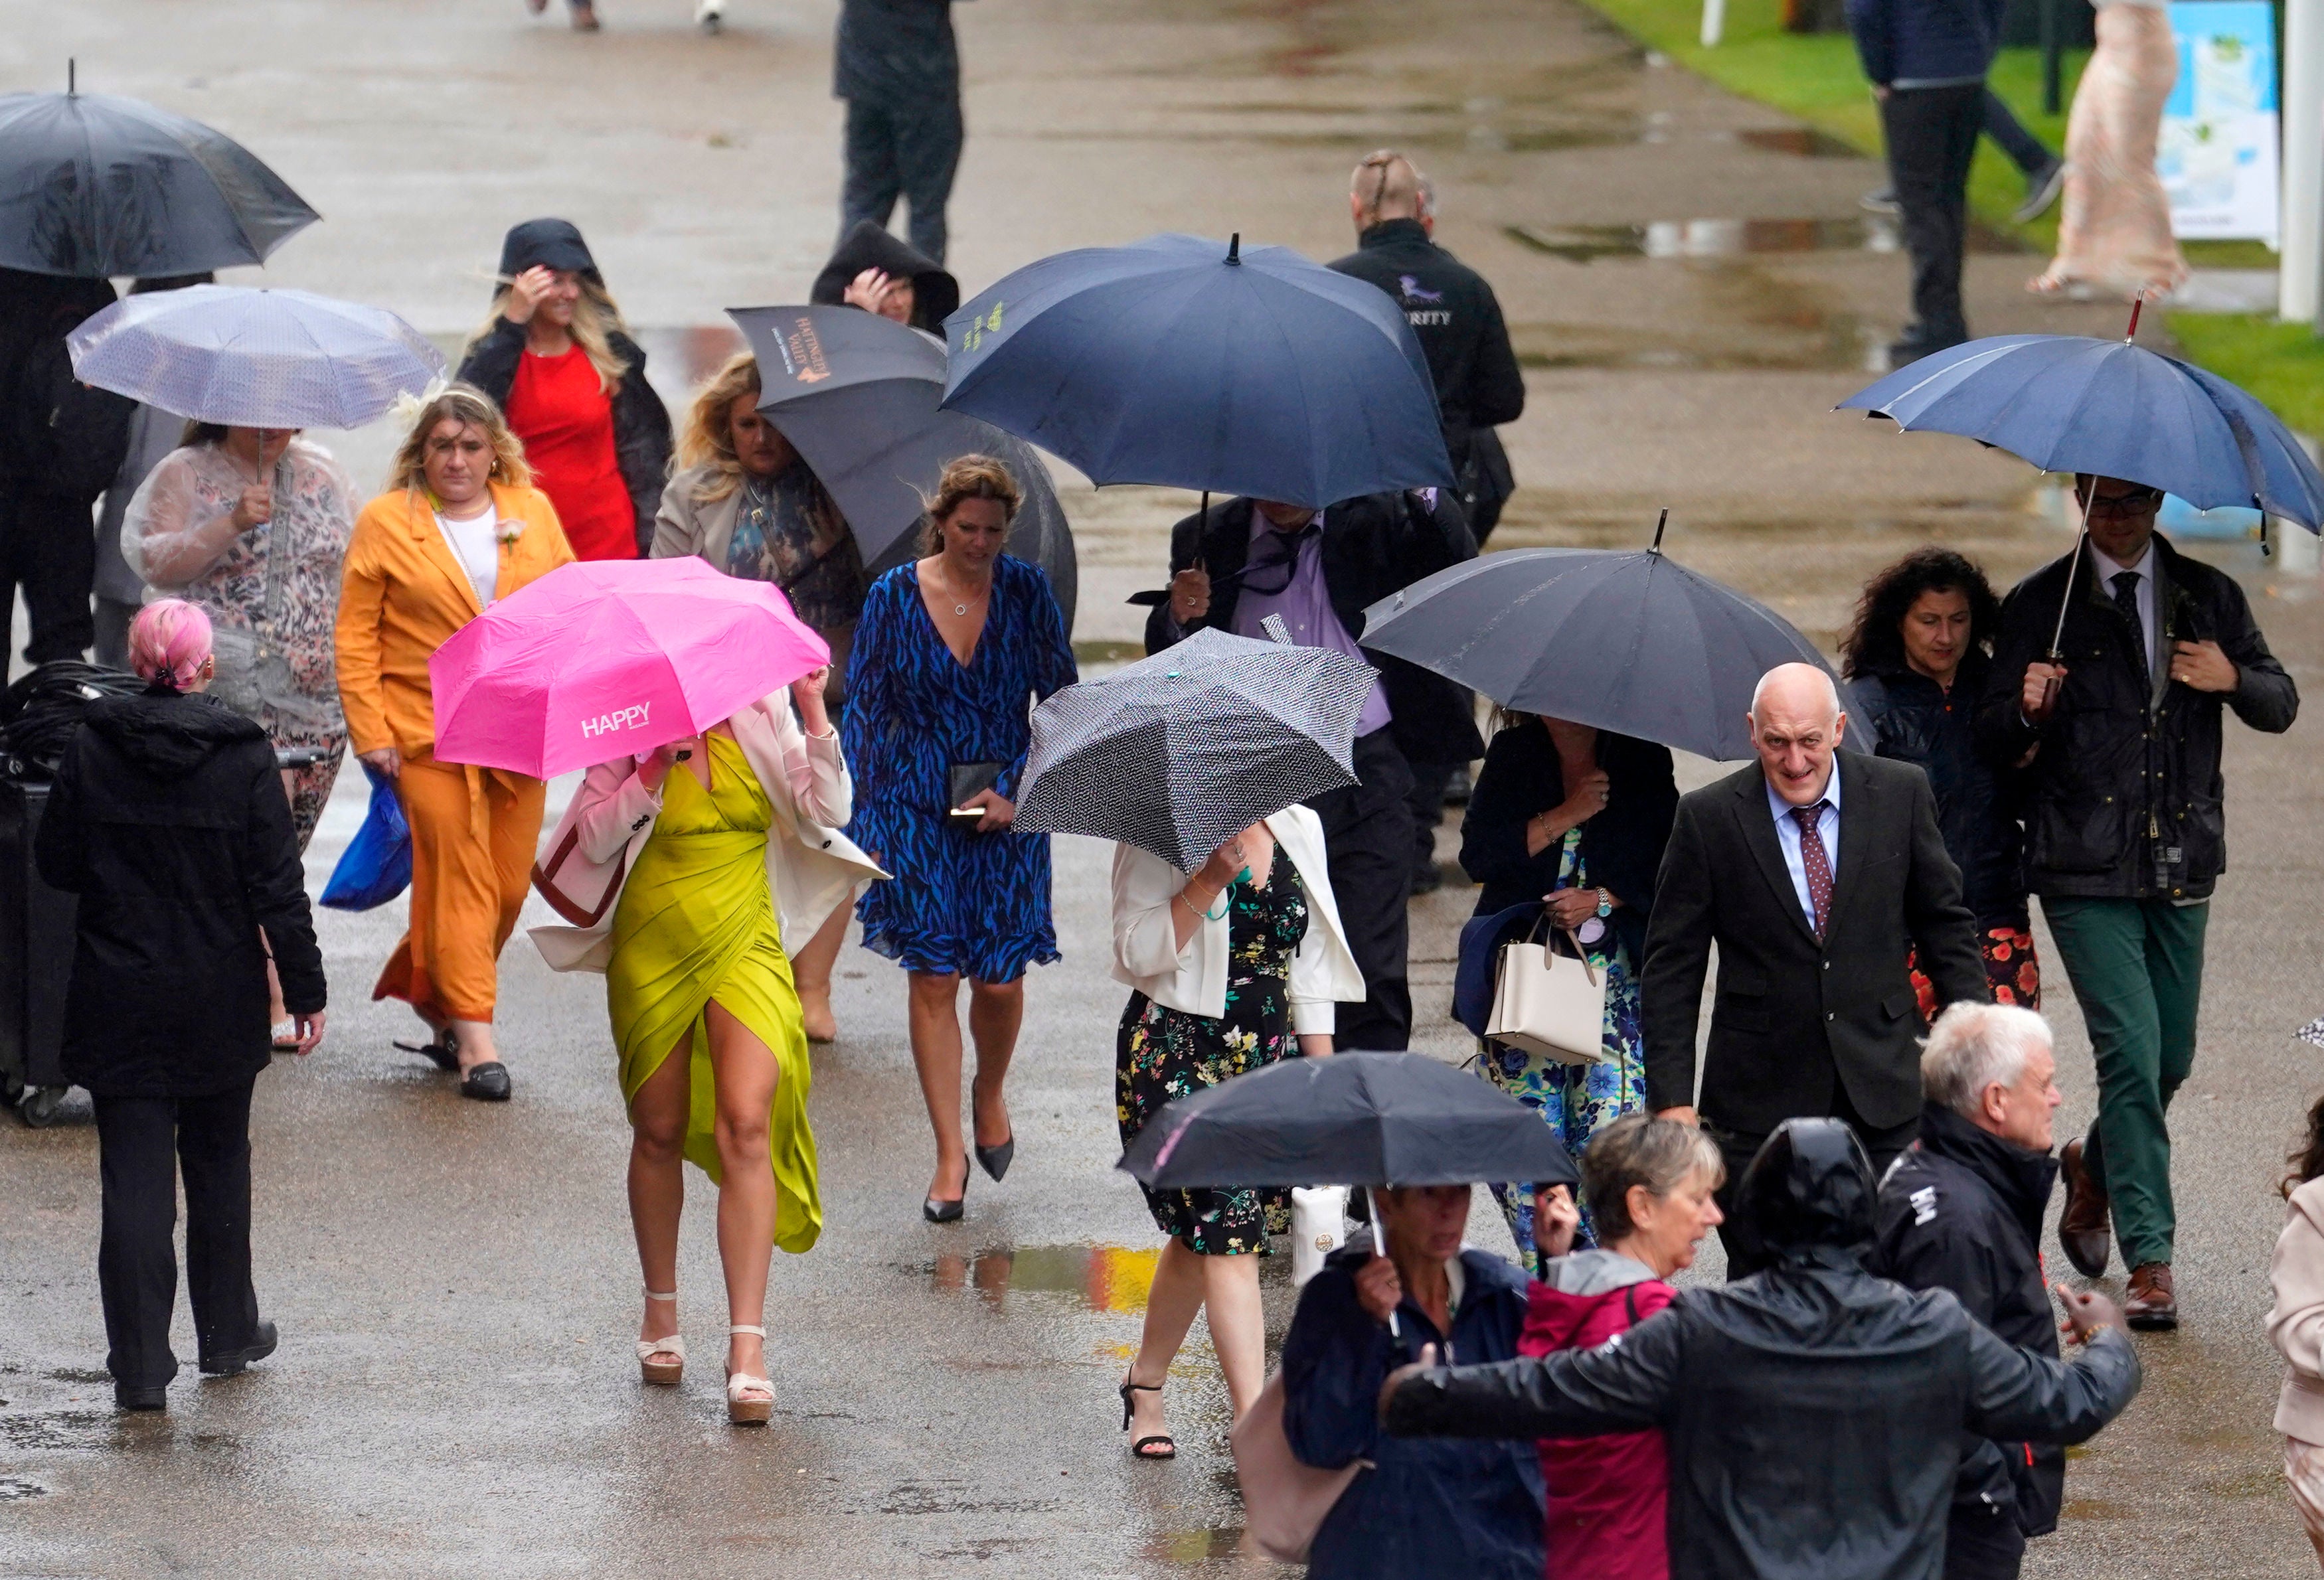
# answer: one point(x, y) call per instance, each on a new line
point(895, 65)
point(2126, 834)
point(1816, 875)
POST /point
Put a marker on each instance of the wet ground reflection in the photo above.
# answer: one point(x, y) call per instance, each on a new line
point(1101, 1278)
point(1801, 141)
point(1730, 238)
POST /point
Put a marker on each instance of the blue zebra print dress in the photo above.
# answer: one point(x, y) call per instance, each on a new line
point(970, 903)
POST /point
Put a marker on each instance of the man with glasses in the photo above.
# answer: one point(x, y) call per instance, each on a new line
point(2125, 833)
point(1269, 570)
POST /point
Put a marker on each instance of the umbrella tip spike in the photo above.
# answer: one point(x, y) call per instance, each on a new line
point(1663, 522)
point(1234, 248)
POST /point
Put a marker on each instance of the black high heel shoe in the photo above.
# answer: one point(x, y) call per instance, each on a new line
point(938, 1210)
point(1168, 1445)
point(994, 1160)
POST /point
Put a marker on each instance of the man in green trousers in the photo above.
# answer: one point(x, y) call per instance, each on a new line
point(2118, 732)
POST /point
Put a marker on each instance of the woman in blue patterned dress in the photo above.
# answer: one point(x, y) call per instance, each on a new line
point(1577, 817)
point(951, 653)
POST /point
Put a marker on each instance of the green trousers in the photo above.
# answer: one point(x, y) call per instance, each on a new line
point(2137, 970)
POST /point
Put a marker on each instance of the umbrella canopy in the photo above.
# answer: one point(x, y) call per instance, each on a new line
point(1174, 753)
point(857, 395)
point(603, 658)
point(227, 353)
point(95, 186)
point(1197, 364)
point(1351, 1119)
point(2070, 403)
point(1635, 643)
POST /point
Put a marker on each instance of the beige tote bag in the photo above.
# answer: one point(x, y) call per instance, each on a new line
point(1284, 1501)
point(1550, 1003)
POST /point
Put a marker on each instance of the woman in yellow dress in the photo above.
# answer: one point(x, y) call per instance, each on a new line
point(688, 870)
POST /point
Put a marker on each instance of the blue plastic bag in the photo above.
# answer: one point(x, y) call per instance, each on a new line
point(376, 865)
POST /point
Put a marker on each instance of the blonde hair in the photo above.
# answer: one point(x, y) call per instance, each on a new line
point(968, 477)
point(1388, 186)
point(596, 319)
point(471, 408)
point(708, 440)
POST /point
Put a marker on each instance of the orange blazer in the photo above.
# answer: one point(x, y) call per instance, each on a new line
point(403, 593)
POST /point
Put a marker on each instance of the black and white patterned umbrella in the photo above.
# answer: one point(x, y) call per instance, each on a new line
point(1177, 752)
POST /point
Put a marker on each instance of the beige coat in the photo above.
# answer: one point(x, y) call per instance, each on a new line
point(812, 869)
point(685, 526)
point(2296, 1326)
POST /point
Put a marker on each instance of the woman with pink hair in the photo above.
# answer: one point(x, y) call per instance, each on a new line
point(168, 819)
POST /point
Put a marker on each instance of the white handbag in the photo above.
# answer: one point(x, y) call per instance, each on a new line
point(1319, 1222)
point(1284, 1501)
point(1550, 1003)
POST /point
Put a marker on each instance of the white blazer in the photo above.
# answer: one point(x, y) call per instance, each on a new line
point(1147, 956)
point(812, 869)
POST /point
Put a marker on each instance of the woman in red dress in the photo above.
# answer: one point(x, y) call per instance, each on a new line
point(558, 358)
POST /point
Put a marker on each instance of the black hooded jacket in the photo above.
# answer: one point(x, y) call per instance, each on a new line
point(1962, 1210)
point(935, 294)
point(168, 819)
point(1918, 721)
point(58, 435)
point(1808, 1408)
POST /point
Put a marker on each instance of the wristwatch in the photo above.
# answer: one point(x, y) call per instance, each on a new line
point(1605, 904)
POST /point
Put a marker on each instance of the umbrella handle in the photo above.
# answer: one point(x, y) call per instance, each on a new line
point(2081, 535)
point(1379, 1248)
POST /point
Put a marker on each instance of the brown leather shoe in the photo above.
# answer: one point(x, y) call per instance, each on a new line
point(2082, 1226)
point(2149, 1303)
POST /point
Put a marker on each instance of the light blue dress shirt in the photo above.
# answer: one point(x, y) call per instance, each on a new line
point(1787, 835)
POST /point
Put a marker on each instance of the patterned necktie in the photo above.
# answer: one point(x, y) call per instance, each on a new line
point(1818, 864)
point(2126, 598)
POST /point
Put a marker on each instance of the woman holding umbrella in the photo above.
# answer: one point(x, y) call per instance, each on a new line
point(460, 525)
point(952, 650)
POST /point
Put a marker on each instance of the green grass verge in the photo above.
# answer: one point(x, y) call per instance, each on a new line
point(2280, 364)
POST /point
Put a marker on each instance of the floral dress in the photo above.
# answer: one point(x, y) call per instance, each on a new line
point(272, 594)
point(1578, 1100)
point(1161, 1053)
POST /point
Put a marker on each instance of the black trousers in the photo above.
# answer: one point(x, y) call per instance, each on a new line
point(48, 547)
point(1429, 783)
point(2026, 152)
point(909, 151)
point(142, 1142)
point(1367, 843)
point(1747, 1254)
point(1982, 1543)
point(1932, 134)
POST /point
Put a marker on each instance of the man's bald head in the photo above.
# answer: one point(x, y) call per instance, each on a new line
point(1387, 185)
point(1797, 724)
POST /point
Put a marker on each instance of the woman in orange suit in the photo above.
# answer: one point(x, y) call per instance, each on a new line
point(460, 525)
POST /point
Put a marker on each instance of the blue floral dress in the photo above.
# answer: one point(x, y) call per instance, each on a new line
point(1161, 1053)
point(1578, 1100)
point(977, 904)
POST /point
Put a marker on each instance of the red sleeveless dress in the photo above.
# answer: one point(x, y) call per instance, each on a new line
point(567, 423)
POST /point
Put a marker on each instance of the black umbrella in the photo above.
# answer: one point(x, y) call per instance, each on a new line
point(93, 187)
point(1635, 643)
point(856, 395)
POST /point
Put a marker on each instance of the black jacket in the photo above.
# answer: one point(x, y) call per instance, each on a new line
point(641, 432)
point(1374, 546)
point(2125, 800)
point(1810, 1408)
point(58, 435)
point(895, 53)
point(167, 818)
point(1962, 1210)
point(1622, 846)
point(1918, 721)
point(1797, 1020)
point(1458, 320)
point(935, 294)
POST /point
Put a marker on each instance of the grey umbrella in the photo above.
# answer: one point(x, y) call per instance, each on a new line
point(1635, 643)
point(1174, 753)
point(227, 353)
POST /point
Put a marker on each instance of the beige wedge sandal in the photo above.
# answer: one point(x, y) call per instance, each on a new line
point(742, 1412)
point(662, 1360)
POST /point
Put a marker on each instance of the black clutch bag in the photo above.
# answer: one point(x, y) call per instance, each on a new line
point(969, 779)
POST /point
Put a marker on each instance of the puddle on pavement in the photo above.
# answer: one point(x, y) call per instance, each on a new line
point(1834, 340)
point(58, 1431)
point(1096, 652)
point(1102, 1278)
point(1800, 142)
point(1198, 1546)
point(16, 1489)
point(1730, 238)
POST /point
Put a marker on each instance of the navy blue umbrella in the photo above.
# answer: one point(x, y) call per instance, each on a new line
point(1198, 364)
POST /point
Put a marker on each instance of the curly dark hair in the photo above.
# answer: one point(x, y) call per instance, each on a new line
point(1875, 642)
point(2306, 1159)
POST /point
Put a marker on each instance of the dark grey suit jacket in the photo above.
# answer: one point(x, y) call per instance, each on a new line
point(1796, 1021)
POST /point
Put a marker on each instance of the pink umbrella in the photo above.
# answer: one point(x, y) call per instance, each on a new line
point(605, 659)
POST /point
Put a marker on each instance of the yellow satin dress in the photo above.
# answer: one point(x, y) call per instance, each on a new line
point(695, 923)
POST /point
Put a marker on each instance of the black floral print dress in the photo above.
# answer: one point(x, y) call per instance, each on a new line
point(1163, 1053)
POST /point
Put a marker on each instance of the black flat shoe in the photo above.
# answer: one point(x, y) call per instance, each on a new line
point(125, 1397)
point(227, 1363)
point(488, 1082)
point(443, 1051)
point(944, 1212)
point(994, 1160)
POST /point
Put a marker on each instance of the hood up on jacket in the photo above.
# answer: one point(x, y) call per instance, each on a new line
point(935, 294)
point(1810, 1190)
point(1570, 1291)
point(552, 243)
point(166, 734)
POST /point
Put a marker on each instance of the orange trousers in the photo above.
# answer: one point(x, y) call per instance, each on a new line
point(472, 833)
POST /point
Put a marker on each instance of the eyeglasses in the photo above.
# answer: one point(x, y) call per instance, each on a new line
point(2129, 504)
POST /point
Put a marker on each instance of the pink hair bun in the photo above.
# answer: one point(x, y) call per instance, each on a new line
point(169, 642)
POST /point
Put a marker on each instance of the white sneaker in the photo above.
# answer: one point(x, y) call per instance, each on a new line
point(709, 14)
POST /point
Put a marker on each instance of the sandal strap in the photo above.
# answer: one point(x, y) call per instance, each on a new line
point(737, 1382)
point(747, 1328)
point(675, 1345)
point(657, 1295)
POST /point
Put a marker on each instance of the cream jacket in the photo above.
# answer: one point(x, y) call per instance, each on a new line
point(2296, 1326)
point(1147, 956)
point(812, 869)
